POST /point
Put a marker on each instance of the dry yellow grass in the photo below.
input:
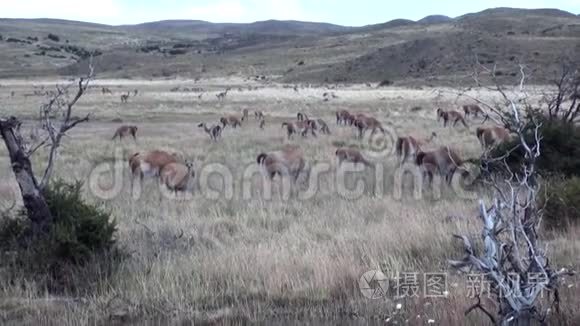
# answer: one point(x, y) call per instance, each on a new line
point(255, 259)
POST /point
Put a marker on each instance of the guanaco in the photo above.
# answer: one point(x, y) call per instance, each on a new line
point(408, 147)
point(124, 131)
point(288, 161)
point(343, 117)
point(258, 115)
point(443, 161)
point(176, 176)
point(364, 123)
point(474, 109)
point(214, 131)
point(301, 127)
point(492, 136)
point(125, 98)
point(223, 94)
point(262, 123)
point(231, 121)
point(149, 163)
point(352, 155)
point(245, 114)
point(452, 116)
point(301, 116)
point(321, 124)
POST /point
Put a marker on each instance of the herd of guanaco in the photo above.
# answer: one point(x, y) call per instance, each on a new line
point(175, 173)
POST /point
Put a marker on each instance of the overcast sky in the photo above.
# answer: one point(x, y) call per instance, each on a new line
point(352, 12)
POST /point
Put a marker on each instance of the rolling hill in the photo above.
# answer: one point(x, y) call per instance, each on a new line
point(435, 49)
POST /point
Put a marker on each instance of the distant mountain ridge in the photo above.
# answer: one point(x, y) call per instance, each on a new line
point(434, 48)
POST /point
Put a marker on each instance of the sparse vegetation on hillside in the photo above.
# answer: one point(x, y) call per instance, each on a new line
point(435, 50)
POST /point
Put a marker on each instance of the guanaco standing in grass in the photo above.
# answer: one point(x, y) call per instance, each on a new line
point(149, 164)
point(352, 155)
point(492, 136)
point(364, 123)
point(258, 115)
point(124, 131)
point(214, 132)
point(288, 161)
point(176, 176)
point(450, 116)
point(301, 116)
point(301, 127)
point(223, 94)
point(408, 147)
point(125, 98)
point(443, 161)
point(474, 109)
point(321, 125)
point(230, 120)
point(343, 117)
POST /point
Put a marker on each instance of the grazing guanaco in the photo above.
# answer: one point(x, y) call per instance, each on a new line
point(290, 129)
point(245, 114)
point(320, 124)
point(301, 127)
point(450, 115)
point(223, 94)
point(125, 98)
point(301, 116)
point(288, 161)
point(364, 123)
point(352, 155)
point(258, 115)
point(176, 176)
point(408, 147)
point(124, 131)
point(105, 90)
point(443, 161)
point(344, 117)
point(340, 116)
point(492, 136)
point(474, 109)
point(214, 132)
point(149, 163)
point(231, 121)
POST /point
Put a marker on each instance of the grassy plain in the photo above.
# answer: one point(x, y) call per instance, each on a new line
point(239, 259)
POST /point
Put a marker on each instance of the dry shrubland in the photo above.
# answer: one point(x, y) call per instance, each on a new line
point(237, 260)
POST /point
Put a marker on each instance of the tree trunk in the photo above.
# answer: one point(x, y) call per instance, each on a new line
point(36, 206)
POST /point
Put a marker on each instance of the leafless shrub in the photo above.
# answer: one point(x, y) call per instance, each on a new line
point(55, 120)
point(564, 102)
point(513, 259)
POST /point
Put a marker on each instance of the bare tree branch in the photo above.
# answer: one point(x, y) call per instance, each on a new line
point(511, 244)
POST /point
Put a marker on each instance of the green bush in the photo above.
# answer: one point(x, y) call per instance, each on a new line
point(560, 150)
point(561, 203)
point(79, 247)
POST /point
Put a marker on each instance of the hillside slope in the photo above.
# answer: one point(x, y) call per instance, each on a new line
point(436, 49)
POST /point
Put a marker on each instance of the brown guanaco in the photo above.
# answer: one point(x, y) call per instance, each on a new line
point(124, 131)
point(450, 116)
point(288, 161)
